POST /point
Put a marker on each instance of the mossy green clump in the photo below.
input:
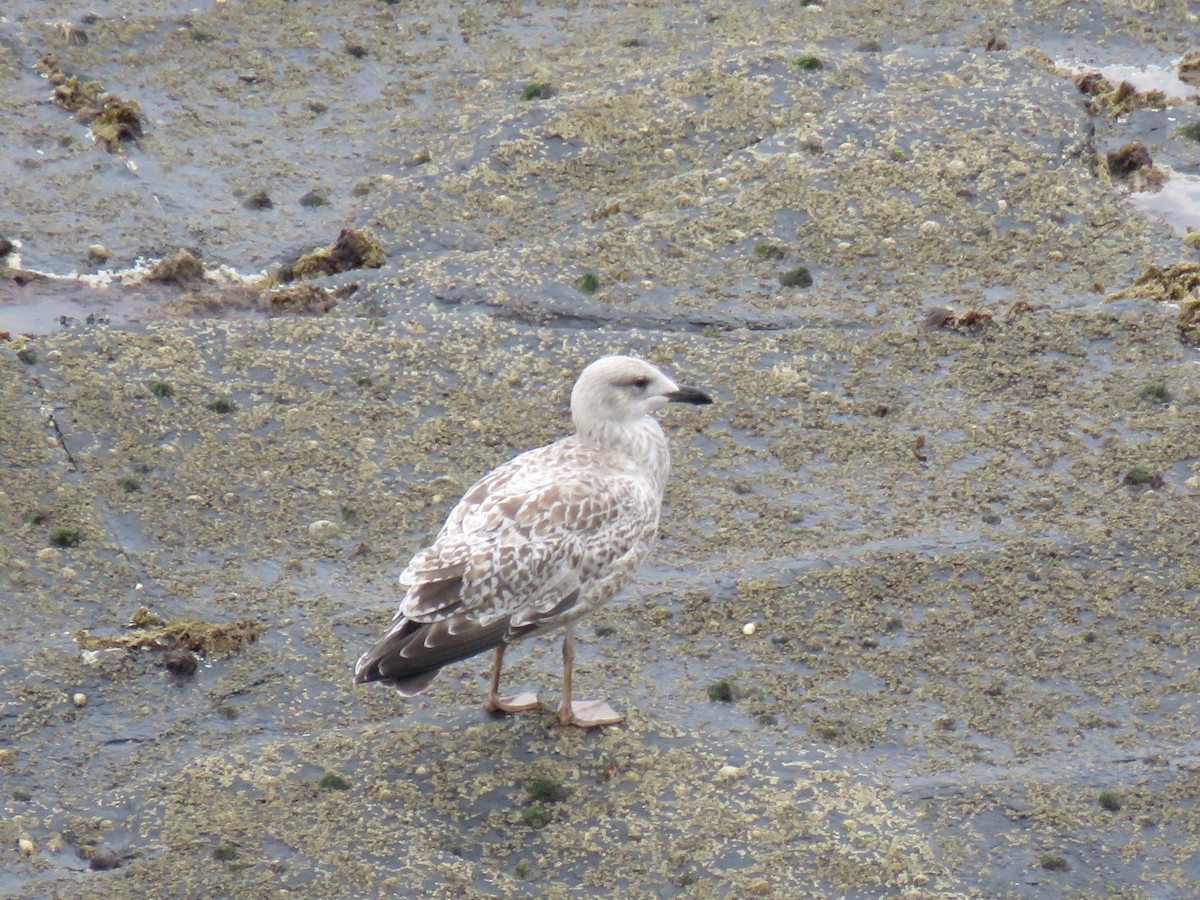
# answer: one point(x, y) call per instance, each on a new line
point(630, 42)
point(525, 869)
point(535, 815)
point(797, 277)
point(22, 795)
point(1154, 391)
point(332, 781)
point(1054, 862)
point(605, 630)
point(314, 199)
point(224, 852)
point(161, 389)
point(258, 201)
point(535, 90)
point(767, 250)
point(27, 355)
point(1140, 476)
point(222, 405)
point(129, 484)
point(65, 536)
point(1191, 131)
point(229, 711)
point(808, 62)
point(1109, 800)
point(828, 732)
point(588, 283)
point(36, 517)
point(544, 789)
point(722, 691)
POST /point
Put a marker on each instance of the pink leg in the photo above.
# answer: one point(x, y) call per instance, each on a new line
point(583, 713)
point(517, 703)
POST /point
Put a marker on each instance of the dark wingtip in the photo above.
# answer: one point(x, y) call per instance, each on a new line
point(692, 395)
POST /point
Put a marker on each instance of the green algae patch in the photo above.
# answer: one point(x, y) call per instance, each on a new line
point(211, 639)
point(535, 90)
point(544, 789)
point(332, 781)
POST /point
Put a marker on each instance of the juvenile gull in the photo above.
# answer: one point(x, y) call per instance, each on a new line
point(540, 541)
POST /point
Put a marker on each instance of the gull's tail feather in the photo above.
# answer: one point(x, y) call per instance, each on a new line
point(411, 653)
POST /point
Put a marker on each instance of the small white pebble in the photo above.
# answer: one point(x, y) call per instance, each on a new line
point(729, 773)
point(139, 587)
point(80, 700)
point(26, 846)
point(749, 628)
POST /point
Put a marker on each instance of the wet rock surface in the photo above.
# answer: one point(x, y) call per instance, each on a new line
point(913, 627)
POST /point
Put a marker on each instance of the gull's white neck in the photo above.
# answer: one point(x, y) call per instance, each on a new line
point(640, 442)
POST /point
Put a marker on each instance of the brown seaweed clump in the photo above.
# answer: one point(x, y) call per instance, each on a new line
point(1189, 68)
point(303, 299)
point(353, 249)
point(1128, 159)
point(1173, 284)
point(177, 267)
point(209, 639)
point(110, 118)
point(1180, 284)
point(957, 320)
point(297, 299)
point(1116, 99)
point(1133, 166)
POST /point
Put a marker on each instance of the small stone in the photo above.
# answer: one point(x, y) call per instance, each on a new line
point(729, 773)
point(323, 530)
point(180, 662)
point(749, 628)
point(80, 701)
point(97, 253)
point(104, 860)
point(929, 228)
point(25, 845)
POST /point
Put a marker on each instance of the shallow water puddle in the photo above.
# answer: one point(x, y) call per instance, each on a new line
point(1178, 203)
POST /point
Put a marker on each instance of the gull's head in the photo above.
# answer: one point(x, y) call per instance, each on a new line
point(619, 390)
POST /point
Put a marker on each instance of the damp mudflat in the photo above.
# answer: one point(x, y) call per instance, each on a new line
point(923, 617)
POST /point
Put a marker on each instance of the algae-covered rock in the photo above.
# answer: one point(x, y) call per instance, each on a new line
point(353, 249)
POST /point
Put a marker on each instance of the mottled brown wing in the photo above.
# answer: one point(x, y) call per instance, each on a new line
point(527, 535)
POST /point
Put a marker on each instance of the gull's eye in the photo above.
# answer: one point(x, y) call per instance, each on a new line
point(641, 383)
